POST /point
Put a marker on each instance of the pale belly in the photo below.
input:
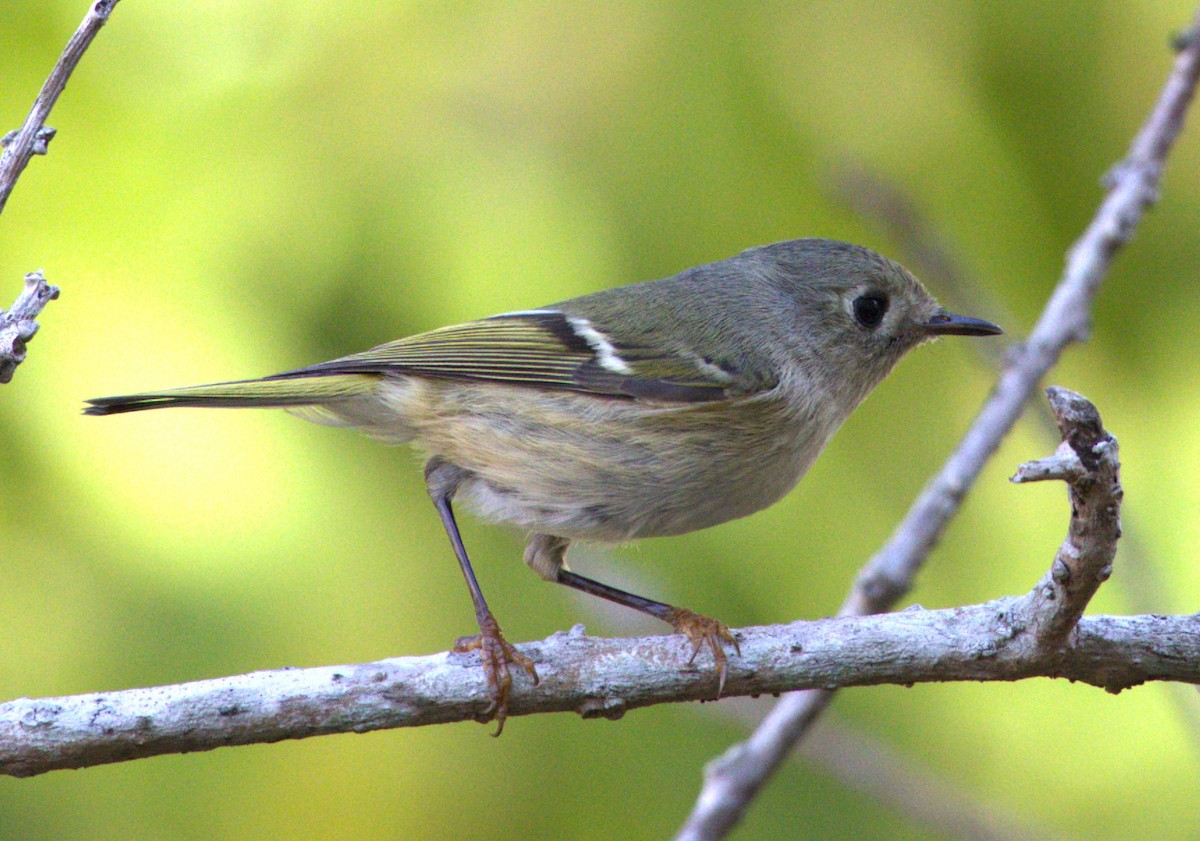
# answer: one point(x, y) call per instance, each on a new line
point(582, 467)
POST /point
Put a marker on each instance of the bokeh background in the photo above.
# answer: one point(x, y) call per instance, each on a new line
point(238, 189)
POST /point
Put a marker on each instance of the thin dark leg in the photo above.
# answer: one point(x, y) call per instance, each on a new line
point(701, 630)
point(494, 650)
point(656, 609)
point(442, 503)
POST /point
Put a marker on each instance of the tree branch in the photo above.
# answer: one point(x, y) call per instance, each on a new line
point(33, 137)
point(595, 677)
point(733, 780)
point(17, 326)
point(1087, 461)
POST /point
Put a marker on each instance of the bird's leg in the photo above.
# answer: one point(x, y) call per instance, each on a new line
point(494, 650)
point(546, 554)
point(701, 630)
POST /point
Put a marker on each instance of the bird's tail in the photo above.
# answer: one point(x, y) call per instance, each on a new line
point(279, 391)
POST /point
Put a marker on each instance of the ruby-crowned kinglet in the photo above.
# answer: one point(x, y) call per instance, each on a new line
point(652, 409)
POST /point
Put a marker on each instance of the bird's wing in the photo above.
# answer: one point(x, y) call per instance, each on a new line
point(545, 349)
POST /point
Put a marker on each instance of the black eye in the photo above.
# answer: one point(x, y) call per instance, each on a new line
point(869, 309)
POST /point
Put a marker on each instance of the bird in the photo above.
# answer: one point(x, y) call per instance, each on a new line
point(646, 410)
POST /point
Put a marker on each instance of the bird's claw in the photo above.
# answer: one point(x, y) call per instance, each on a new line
point(702, 630)
point(495, 654)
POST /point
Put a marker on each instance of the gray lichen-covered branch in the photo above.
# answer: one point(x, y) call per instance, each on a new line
point(1087, 461)
point(34, 136)
point(598, 678)
point(18, 324)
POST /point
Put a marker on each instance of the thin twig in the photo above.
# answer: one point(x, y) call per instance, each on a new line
point(18, 324)
point(1087, 461)
point(33, 137)
point(733, 780)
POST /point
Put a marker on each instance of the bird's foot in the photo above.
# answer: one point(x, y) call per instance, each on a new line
point(496, 653)
point(703, 630)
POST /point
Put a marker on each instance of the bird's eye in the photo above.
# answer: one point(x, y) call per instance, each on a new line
point(869, 309)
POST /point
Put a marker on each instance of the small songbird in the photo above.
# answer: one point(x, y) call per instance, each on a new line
point(652, 409)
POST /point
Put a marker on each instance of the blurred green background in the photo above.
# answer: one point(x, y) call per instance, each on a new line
point(238, 189)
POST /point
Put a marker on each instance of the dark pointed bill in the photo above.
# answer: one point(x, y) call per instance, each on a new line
point(948, 324)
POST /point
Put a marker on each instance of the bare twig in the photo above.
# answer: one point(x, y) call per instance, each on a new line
point(734, 779)
point(18, 324)
point(595, 677)
point(1087, 462)
point(33, 137)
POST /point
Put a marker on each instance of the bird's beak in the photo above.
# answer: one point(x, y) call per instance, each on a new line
point(948, 324)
